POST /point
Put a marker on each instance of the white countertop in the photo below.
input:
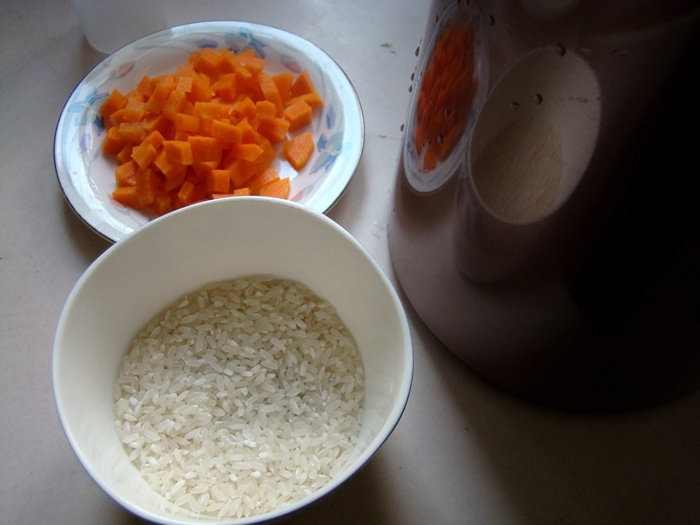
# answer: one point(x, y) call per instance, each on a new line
point(464, 452)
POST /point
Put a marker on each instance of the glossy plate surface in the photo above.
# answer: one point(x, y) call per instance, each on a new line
point(87, 177)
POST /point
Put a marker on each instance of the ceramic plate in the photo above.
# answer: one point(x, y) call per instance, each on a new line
point(87, 177)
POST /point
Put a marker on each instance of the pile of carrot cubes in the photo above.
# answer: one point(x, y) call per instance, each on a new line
point(210, 129)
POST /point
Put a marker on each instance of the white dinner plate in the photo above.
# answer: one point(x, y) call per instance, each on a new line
point(86, 176)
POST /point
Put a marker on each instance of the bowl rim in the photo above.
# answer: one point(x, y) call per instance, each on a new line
point(372, 447)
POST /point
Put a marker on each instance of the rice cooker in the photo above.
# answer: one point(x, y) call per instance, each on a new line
point(543, 225)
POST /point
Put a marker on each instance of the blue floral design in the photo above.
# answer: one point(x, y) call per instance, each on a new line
point(245, 40)
point(331, 117)
point(87, 109)
point(206, 42)
point(329, 149)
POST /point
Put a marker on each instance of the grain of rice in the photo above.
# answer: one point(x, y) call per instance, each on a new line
point(241, 397)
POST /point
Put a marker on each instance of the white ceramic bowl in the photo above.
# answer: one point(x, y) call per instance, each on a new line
point(86, 176)
point(143, 273)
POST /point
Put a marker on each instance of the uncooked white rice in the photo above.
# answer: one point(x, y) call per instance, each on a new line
point(241, 397)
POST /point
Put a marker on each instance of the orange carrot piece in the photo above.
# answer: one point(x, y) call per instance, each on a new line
point(283, 81)
point(205, 149)
point(238, 192)
point(114, 101)
point(134, 110)
point(313, 99)
point(248, 152)
point(244, 108)
point(179, 151)
point(157, 123)
point(125, 174)
point(212, 109)
point(207, 61)
point(185, 122)
point(124, 154)
point(144, 154)
point(163, 203)
point(161, 92)
point(265, 110)
point(225, 87)
point(298, 149)
point(298, 115)
point(269, 91)
point(174, 104)
point(147, 185)
point(175, 178)
point(146, 85)
point(217, 181)
point(301, 85)
point(279, 189)
point(112, 143)
point(225, 131)
point(243, 170)
point(127, 196)
point(274, 130)
point(201, 89)
point(267, 176)
point(131, 132)
point(248, 132)
point(186, 193)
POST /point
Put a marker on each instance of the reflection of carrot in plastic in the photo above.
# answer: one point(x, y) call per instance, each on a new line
point(445, 96)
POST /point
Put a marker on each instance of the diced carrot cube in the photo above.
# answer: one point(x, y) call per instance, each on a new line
point(175, 178)
point(279, 189)
point(265, 110)
point(313, 99)
point(248, 133)
point(163, 203)
point(225, 86)
point(174, 104)
point(212, 109)
point(144, 154)
point(112, 143)
point(124, 154)
point(125, 174)
point(283, 81)
point(189, 123)
point(298, 114)
point(225, 131)
point(157, 100)
point(201, 89)
point(275, 130)
point(147, 185)
point(267, 176)
point(131, 132)
point(301, 85)
point(270, 92)
point(248, 152)
point(186, 193)
point(217, 181)
point(207, 61)
point(127, 196)
point(205, 149)
point(114, 101)
point(298, 149)
point(179, 151)
point(145, 86)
